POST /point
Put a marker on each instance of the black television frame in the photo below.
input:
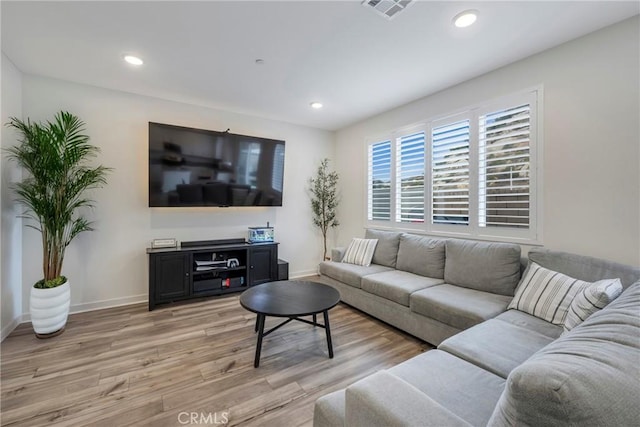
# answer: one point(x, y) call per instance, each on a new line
point(180, 175)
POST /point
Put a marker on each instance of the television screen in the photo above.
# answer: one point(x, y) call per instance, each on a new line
point(194, 167)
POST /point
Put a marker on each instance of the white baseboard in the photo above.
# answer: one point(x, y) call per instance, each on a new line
point(116, 302)
point(99, 305)
point(304, 273)
point(9, 328)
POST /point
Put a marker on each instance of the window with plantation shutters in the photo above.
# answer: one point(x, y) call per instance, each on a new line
point(379, 182)
point(450, 173)
point(469, 174)
point(410, 161)
point(504, 168)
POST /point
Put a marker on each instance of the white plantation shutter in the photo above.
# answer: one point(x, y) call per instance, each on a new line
point(474, 173)
point(410, 161)
point(504, 168)
point(450, 173)
point(379, 182)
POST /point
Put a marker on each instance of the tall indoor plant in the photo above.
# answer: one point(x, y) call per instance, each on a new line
point(323, 190)
point(55, 155)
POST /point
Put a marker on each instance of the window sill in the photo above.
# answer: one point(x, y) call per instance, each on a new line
point(453, 235)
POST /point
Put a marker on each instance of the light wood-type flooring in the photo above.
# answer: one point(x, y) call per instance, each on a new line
point(128, 366)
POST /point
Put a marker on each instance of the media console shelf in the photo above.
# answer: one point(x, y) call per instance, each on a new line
point(207, 268)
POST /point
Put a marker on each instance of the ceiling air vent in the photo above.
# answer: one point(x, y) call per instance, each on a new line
point(387, 8)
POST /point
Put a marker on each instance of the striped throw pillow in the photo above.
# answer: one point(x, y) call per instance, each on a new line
point(360, 251)
point(591, 299)
point(546, 294)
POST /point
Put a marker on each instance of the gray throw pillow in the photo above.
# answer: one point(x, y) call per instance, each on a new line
point(591, 299)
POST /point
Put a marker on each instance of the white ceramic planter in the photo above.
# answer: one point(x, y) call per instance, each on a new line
point(49, 308)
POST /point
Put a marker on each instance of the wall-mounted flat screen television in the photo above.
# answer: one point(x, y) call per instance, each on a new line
point(195, 167)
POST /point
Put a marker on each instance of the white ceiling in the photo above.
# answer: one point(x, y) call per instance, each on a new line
point(337, 52)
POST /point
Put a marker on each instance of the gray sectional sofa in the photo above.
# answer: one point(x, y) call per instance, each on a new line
point(493, 366)
point(431, 288)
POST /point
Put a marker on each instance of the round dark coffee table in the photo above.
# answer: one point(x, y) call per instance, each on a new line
point(291, 299)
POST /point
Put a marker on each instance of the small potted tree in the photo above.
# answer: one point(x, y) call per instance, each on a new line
point(323, 189)
point(56, 156)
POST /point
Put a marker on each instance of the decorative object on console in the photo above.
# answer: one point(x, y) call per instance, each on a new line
point(261, 234)
point(164, 243)
point(56, 155)
point(323, 189)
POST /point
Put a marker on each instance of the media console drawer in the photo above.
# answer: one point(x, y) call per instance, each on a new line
point(207, 285)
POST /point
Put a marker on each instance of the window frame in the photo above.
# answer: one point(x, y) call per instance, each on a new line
point(529, 236)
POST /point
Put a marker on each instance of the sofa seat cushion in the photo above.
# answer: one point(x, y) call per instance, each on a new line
point(530, 322)
point(349, 274)
point(588, 376)
point(421, 255)
point(484, 266)
point(457, 306)
point(397, 285)
point(383, 400)
point(494, 345)
point(461, 387)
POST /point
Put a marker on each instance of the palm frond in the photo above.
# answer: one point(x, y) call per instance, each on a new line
point(57, 156)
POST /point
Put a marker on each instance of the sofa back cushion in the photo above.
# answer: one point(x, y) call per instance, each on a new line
point(386, 251)
point(421, 255)
point(583, 267)
point(484, 266)
point(588, 376)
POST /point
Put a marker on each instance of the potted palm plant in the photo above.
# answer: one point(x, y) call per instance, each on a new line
point(55, 155)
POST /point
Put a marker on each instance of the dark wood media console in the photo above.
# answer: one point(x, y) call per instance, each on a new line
point(208, 268)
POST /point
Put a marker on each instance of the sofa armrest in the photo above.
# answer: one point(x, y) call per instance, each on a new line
point(337, 254)
point(385, 400)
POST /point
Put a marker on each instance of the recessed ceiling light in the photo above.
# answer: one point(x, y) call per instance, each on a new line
point(466, 18)
point(133, 60)
point(316, 105)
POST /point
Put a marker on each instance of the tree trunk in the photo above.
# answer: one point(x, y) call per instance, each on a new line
point(324, 238)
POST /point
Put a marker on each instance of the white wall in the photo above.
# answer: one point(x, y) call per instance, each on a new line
point(591, 169)
point(109, 266)
point(11, 227)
